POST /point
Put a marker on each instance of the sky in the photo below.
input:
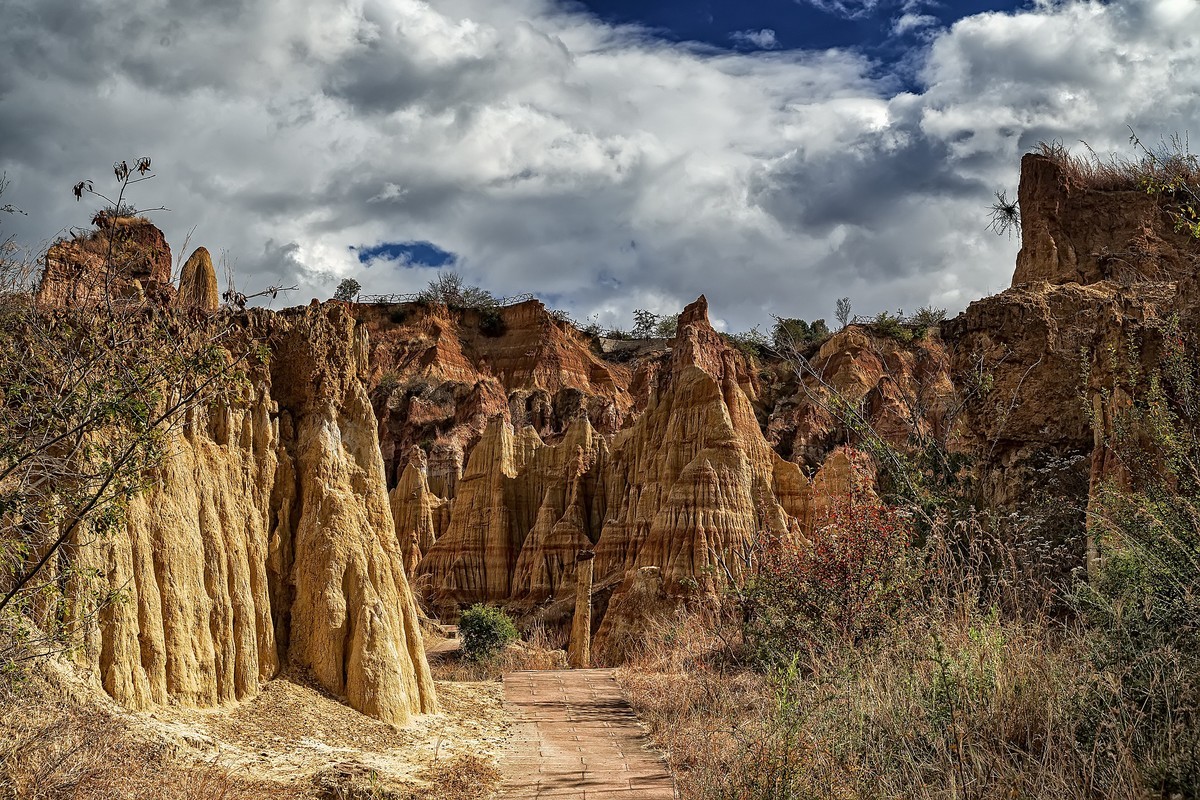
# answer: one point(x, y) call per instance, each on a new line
point(606, 155)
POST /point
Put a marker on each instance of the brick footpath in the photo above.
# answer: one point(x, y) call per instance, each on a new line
point(576, 737)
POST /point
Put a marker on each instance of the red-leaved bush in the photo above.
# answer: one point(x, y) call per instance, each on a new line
point(851, 581)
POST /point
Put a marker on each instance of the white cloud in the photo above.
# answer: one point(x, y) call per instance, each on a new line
point(847, 9)
point(764, 39)
point(910, 22)
point(556, 154)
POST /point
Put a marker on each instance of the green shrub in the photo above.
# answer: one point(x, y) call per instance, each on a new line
point(891, 325)
point(347, 290)
point(491, 322)
point(846, 586)
point(667, 326)
point(752, 343)
point(1142, 609)
point(928, 316)
point(792, 333)
point(484, 631)
point(1142, 602)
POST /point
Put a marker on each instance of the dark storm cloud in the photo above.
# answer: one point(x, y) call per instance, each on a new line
point(860, 185)
point(537, 143)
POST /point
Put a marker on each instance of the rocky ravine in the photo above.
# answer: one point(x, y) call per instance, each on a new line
point(475, 454)
point(673, 459)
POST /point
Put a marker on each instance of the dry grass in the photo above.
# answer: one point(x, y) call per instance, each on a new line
point(978, 690)
point(538, 650)
point(964, 705)
point(52, 749)
point(1163, 167)
point(465, 777)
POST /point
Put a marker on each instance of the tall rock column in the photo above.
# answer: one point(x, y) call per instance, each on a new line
point(198, 283)
point(579, 654)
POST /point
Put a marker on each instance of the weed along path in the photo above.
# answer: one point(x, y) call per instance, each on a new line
point(574, 736)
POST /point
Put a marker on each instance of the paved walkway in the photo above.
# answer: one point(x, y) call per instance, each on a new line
point(576, 737)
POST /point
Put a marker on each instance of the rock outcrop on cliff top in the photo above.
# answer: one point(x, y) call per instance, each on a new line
point(267, 541)
point(1043, 366)
point(198, 283)
point(124, 257)
point(1073, 232)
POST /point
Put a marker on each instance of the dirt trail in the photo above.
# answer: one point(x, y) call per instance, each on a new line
point(574, 736)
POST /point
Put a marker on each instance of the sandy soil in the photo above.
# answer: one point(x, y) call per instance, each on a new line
point(295, 734)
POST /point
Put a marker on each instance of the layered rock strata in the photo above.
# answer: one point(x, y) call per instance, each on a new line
point(441, 374)
point(267, 541)
point(124, 257)
point(686, 488)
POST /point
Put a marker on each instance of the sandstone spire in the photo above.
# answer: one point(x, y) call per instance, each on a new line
point(198, 283)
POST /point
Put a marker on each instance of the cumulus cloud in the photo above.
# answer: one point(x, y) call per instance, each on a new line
point(554, 153)
point(764, 39)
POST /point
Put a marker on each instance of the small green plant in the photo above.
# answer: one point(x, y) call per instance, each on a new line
point(262, 353)
point(485, 631)
point(389, 382)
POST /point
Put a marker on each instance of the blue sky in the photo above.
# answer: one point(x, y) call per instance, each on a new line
point(613, 155)
point(869, 25)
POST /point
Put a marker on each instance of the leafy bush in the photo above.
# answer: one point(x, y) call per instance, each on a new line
point(643, 323)
point(666, 326)
point(928, 316)
point(1142, 607)
point(1142, 603)
point(791, 333)
point(491, 322)
point(844, 587)
point(751, 343)
point(449, 289)
point(485, 631)
point(347, 290)
point(892, 325)
point(389, 382)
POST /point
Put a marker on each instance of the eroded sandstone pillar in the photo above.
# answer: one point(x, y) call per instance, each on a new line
point(579, 650)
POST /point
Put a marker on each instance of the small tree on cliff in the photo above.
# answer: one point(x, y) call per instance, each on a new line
point(347, 290)
point(89, 400)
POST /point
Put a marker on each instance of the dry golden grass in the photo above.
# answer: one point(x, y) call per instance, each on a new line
point(53, 749)
point(538, 650)
point(464, 777)
point(1122, 173)
point(961, 704)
